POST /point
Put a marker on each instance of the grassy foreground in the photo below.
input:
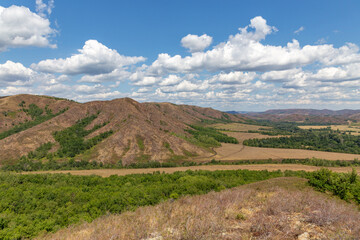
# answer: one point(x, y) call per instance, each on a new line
point(39, 203)
point(278, 208)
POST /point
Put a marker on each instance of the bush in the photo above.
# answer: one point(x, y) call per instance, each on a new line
point(344, 185)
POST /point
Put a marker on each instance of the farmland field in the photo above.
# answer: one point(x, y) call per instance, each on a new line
point(237, 126)
point(229, 152)
point(355, 130)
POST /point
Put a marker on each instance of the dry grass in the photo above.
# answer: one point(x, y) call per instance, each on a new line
point(313, 126)
point(283, 208)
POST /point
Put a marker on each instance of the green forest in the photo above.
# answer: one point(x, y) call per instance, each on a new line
point(319, 140)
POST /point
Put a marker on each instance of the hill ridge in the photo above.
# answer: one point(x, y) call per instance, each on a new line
point(141, 131)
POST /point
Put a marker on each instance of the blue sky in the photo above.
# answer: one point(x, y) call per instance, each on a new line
point(229, 55)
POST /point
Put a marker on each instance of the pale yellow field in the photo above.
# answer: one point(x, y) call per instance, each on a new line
point(237, 126)
point(314, 127)
point(342, 128)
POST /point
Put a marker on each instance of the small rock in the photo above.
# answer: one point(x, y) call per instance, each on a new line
point(304, 236)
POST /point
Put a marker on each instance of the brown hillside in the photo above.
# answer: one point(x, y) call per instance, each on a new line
point(11, 113)
point(149, 125)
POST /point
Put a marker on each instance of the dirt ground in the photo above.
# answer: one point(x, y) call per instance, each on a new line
point(269, 167)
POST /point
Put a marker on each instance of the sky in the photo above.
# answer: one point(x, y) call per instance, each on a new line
point(228, 55)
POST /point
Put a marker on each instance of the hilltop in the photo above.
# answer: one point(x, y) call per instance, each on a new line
point(132, 131)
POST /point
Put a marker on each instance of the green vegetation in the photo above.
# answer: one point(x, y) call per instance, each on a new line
point(72, 141)
point(27, 164)
point(344, 185)
point(168, 147)
point(309, 161)
point(30, 164)
point(210, 137)
point(22, 104)
point(312, 139)
point(41, 151)
point(140, 142)
point(9, 114)
point(34, 111)
point(32, 204)
point(37, 116)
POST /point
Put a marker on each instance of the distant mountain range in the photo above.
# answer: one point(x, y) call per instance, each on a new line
point(305, 115)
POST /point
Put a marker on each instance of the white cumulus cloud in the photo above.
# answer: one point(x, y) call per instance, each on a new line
point(170, 80)
point(12, 72)
point(245, 52)
point(19, 27)
point(234, 77)
point(196, 43)
point(93, 59)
